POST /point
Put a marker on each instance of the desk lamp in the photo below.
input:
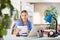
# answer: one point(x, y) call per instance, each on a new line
point(49, 19)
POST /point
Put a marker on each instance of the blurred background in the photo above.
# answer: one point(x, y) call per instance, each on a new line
point(37, 10)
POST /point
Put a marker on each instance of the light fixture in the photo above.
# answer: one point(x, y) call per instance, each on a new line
point(49, 19)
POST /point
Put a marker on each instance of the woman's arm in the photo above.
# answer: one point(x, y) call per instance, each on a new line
point(13, 28)
point(14, 32)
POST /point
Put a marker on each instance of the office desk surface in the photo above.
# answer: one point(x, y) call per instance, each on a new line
point(12, 37)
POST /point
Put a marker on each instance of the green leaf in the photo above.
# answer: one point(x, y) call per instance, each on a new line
point(4, 32)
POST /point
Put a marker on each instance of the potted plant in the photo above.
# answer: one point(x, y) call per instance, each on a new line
point(53, 10)
point(7, 20)
point(2, 28)
point(16, 15)
point(4, 4)
point(4, 25)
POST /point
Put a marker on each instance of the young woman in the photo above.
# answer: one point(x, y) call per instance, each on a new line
point(23, 22)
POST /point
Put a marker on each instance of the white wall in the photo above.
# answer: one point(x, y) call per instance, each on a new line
point(16, 4)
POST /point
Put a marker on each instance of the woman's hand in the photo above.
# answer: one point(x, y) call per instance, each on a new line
point(16, 31)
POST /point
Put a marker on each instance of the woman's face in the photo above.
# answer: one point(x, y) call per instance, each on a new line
point(24, 16)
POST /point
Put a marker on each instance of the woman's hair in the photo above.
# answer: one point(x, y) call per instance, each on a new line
point(24, 11)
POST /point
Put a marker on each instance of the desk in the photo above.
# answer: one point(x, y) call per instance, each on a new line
point(30, 38)
point(13, 37)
